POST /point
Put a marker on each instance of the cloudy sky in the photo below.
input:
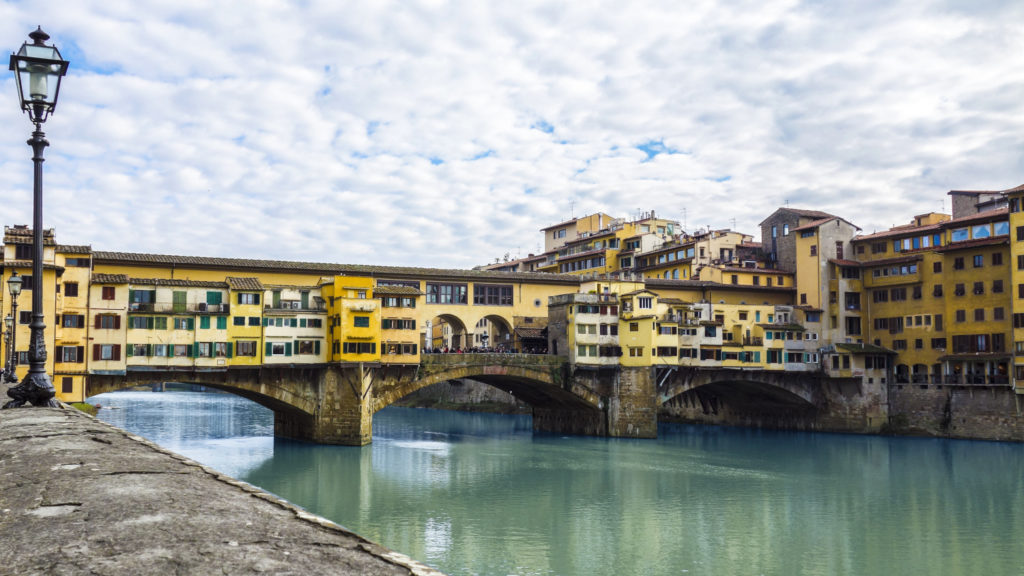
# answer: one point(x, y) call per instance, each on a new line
point(447, 134)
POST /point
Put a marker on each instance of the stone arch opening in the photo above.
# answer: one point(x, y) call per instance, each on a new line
point(447, 331)
point(493, 332)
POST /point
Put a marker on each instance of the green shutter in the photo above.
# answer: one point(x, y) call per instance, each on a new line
point(222, 322)
point(229, 349)
point(257, 300)
point(287, 348)
point(130, 349)
point(316, 346)
point(277, 298)
point(149, 349)
point(270, 349)
point(265, 320)
point(190, 350)
point(204, 322)
point(302, 322)
point(191, 323)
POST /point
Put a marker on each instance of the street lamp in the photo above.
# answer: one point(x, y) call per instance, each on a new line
point(38, 70)
point(8, 324)
point(14, 287)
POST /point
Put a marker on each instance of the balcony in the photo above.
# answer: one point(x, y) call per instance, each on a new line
point(172, 308)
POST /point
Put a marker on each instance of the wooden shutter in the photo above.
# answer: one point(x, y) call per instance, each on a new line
point(96, 321)
point(270, 349)
point(95, 351)
point(229, 349)
point(130, 351)
point(117, 322)
point(80, 353)
point(316, 347)
point(288, 348)
point(191, 323)
point(116, 352)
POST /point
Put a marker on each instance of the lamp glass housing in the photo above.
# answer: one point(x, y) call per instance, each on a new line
point(38, 69)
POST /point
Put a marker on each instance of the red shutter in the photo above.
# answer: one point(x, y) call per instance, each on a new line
point(117, 322)
point(95, 351)
point(96, 321)
point(81, 354)
point(116, 354)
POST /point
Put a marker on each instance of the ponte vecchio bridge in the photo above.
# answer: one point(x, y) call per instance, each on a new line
point(334, 404)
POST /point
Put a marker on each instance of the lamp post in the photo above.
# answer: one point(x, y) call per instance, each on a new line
point(8, 324)
point(14, 287)
point(38, 70)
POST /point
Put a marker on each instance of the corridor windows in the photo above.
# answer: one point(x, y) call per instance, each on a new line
point(361, 321)
point(247, 348)
point(492, 295)
point(446, 293)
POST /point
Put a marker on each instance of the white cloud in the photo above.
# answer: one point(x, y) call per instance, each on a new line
point(448, 133)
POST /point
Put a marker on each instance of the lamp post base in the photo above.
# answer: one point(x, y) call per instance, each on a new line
point(36, 389)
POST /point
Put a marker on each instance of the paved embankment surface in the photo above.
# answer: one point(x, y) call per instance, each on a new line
point(78, 496)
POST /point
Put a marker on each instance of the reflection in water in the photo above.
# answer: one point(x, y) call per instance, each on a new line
point(480, 494)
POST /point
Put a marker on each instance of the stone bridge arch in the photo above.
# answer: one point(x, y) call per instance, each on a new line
point(283, 390)
point(767, 389)
point(560, 403)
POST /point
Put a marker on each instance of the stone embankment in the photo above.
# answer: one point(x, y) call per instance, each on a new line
point(78, 496)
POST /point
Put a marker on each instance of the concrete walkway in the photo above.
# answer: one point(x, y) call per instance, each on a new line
point(78, 496)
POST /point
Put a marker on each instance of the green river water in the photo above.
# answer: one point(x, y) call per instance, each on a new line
point(481, 494)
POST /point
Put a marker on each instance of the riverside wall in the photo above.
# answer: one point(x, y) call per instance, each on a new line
point(970, 412)
point(78, 496)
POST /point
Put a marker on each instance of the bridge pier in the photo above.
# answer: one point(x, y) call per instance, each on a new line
point(618, 402)
point(342, 413)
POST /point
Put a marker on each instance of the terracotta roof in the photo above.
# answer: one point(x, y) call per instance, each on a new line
point(800, 212)
point(1014, 189)
point(161, 260)
point(888, 261)
point(109, 278)
point(852, 263)
point(175, 282)
point(974, 243)
point(972, 192)
point(67, 249)
point(905, 230)
point(863, 349)
point(530, 332)
point(819, 223)
point(675, 301)
point(28, 264)
point(249, 284)
point(396, 291)
point(989, 215)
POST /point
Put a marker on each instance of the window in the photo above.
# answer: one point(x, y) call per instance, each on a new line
point(255, 320)
point(108, 293)
point(961, 315)
point(446, 293)
point(108, 322)
point(492, 295)
point(916, 295)
point(307, 347)
point(238, 321)
point(959, 290)
point(246, 347)
point(73, 321)
point(979, 288)
point(937, 291)
point(67, 385)
point(160, 350)
point(138, 350)
point(318, 323)
point(106, 352)
point(248, 298)
point(997, 258)
point(938, 343)
point(71, 354)
point(644, 302)
point(220, 349)
point(634, 326)
point(361, 321)
point(184, 323)
point(998, 313)
point(997, 286)
point(22, 251)
point(814, 249)
point(180, 350)
point(205, 350)
point(958, 263)
point(979, 314)
point(71, 289)
point(979, 260)
point(936, 267)
point(359, 347)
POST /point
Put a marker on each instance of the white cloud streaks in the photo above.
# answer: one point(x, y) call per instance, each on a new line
point(445, 134)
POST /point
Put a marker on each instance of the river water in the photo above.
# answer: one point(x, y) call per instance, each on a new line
point(481, 494)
